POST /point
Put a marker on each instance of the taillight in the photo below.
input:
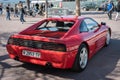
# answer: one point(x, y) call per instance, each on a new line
point(37, 44)
point(54, 46)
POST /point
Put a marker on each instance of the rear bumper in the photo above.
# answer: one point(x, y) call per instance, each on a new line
point(57, 59)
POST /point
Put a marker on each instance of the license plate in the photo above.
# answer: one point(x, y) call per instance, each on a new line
point(31, 54)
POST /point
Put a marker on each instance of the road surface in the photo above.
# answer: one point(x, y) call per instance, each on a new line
point(105, 65)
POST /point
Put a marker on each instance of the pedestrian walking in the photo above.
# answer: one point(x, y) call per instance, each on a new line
point(41, 9)
point(22, 12)
point(110, 7)
point(1, 8)
point(16, 11)
point(118, 10)
point(8, 12)
point(36, 7)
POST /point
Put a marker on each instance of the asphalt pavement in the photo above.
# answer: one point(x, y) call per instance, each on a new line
point(105, 65)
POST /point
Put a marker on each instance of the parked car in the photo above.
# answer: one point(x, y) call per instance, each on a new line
point(90, 5)
point(62, 42)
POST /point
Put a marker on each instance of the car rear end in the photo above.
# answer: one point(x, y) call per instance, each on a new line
point(42, 47)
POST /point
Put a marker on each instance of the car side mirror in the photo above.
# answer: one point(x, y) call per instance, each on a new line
point(103, 23)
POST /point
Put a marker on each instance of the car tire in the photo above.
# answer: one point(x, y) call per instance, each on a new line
point(97, 9)
point(108, 37)
point(81, 59)
point(85, 9)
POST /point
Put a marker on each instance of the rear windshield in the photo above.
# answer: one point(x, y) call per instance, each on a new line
point(56, 25)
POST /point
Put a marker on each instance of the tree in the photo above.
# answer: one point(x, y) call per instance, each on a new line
point(46, 8)
point(77, 7)
point(28, 4)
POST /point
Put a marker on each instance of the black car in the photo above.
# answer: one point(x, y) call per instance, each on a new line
point(90, 5)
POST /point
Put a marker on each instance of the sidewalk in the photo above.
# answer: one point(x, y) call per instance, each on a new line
point(14, 25)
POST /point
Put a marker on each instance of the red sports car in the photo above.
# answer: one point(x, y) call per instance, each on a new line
point(64, 42)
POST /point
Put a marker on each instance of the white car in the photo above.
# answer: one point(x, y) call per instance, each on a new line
point(55, 12)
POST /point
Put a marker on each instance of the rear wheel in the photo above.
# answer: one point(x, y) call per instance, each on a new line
point(81, 59)
point(85, 9)
point(97, 9)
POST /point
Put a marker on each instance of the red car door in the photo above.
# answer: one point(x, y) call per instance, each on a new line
point(89, 34)
point(101, 36)
point(98, 34)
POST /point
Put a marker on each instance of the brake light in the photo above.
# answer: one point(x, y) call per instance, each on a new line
point(37, 44)
point(54, 46)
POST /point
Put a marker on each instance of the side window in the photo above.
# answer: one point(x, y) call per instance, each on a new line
point(42, 25)
point(91, 24)
point(83, 27)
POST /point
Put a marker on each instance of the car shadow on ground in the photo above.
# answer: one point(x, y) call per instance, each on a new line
point(3, 65)
point(100, 66)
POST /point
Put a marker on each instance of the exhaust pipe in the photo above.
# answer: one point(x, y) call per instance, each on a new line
point(16, 58)
point(48, 65)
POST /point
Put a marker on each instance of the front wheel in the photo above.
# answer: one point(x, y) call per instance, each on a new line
point(108, 37)
point(85, 9)
point(81, 59)
point(97, 9)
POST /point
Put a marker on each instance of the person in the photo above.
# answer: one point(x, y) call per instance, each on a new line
point(37, 7)
point(110, 8)
point(22, 12)
point(50, 5)
point(16, 11)
point(0, 8)
point(118, 10)
point(42, 9)
point(8, 12)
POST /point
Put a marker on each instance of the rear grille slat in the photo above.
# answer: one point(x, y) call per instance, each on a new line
point(27, 43)
point(37, 44)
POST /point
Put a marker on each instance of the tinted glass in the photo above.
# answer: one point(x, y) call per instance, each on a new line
point(83, 27)
point(56, 25)
point(91, 24)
